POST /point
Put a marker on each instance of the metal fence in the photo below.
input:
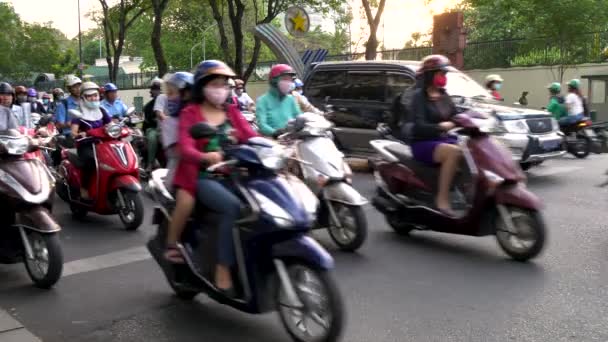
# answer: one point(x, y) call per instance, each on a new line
point(123, 81)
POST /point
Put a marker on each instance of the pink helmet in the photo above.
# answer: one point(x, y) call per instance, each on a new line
point(280, 70)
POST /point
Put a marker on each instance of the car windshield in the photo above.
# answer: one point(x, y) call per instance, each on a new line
point(460, 84)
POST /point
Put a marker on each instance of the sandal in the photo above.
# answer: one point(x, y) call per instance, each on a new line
point(173, 254)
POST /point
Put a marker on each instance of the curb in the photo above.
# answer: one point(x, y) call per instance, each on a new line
point(13, 331)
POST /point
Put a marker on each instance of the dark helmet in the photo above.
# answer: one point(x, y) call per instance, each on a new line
point(209, 68)
point(20, 90)
point(6, 88)
point(434, 63)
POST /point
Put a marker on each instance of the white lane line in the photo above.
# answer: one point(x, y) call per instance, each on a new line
point(100, 262)
point(554, 170)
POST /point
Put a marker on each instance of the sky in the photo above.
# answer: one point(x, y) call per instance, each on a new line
point(401, 18)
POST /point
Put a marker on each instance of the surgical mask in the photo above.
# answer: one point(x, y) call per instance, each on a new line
point(497, 86)
point(301, 92)
point(92, 104)
point(45, 101)
point(238, 92)
point(216, 96)
point(285, 86)
point(31, 99)
point(22, 98)
point(440, 80)
point(174, 106)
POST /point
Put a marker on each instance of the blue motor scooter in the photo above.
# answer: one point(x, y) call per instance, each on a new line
point(278, 267)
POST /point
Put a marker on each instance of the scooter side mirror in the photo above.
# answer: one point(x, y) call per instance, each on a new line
point(202, 130)
point(75, 113)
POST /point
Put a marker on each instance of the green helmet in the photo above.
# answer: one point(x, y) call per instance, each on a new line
point(575, 83)
point(555, 87)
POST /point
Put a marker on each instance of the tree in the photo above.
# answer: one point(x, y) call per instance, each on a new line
point(158, 7)
point(373, 22)
point(116, 21)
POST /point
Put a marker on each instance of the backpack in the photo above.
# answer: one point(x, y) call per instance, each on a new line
point(401, 120)
point(562, 103)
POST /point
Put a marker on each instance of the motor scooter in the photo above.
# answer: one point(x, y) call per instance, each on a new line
point(579, 137)
point(320, 164)
point(114, 187)
point(277, 266)
point(29, 233)
point(489, 191)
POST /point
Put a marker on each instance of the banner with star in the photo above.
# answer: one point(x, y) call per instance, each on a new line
point(297, 21)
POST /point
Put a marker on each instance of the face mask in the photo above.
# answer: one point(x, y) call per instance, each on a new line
point(285, 86)
point(216, 96)
point(440, 80)
point(45, 101)
point(22, 98)
point(92, 104)
point(238, 92)
point(497, 86)
point(31, 99)
point(174, 106)
point(301, 92)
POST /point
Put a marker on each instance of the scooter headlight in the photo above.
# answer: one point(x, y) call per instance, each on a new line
point(114, 131)
point(278, 214)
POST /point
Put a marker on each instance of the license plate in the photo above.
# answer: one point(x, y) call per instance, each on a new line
point(590, 133)
point(551, 145)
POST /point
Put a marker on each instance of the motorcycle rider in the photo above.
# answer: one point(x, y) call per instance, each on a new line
point(167, 108)
point(246, 103)
point(209, 92)
point(62, 120)
point(432, 110)
point(111, 103)
point(7, 100)
point(276, 107)
point(94, 116)
point(24, 115)
point(493, 84)
point(35, 104)
point(556, 106)
point(303, 103)
point(150, 126)
point(575, 103)
point(58, 95)
point(46, 102)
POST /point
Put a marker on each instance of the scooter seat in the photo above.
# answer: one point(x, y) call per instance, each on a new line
point(73, 157)
point(402, 152)
point(428, 173)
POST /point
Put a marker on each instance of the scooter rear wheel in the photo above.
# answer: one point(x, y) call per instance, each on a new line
point(581, 148)
point(529, 238)
point(400, 227)
point(321, 304)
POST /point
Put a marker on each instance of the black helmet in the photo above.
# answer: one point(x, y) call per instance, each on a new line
point(434, 63)
point(6, 88)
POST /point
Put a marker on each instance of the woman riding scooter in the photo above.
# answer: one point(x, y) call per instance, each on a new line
point(209, 93)
point(433, 109)
point(94, 116)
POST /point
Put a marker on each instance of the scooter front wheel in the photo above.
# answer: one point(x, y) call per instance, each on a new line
point(132, 213)
point(351, 232)
point(528, 238)
point(320, 317)
point(47, 263)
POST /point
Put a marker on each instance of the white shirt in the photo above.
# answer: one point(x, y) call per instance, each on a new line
point(245, 100)
point(169, 126)
point(574, 104)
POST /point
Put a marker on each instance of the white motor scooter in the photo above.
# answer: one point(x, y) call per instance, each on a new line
point(320, 164)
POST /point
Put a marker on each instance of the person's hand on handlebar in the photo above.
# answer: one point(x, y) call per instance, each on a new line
point(212, 158)
point(279, 132)
point(446, 125)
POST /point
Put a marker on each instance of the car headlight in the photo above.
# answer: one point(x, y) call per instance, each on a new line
point(278, 214)
point(16, 146)
point(114, 131)
point(515, 126)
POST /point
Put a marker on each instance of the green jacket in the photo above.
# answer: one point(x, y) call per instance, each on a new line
point(273, 111)
point(557, 109)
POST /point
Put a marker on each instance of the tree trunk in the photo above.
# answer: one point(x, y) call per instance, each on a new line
point(159, 7)
point(373, 22)
point(254, 58)
point(219, 19)
point(371, 47)
point(236, 12)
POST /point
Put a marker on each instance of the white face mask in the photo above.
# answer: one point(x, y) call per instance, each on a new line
point(216, 96)
point(285, 86)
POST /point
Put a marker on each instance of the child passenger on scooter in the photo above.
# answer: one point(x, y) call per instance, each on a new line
point(433, 109)
point(209, 93)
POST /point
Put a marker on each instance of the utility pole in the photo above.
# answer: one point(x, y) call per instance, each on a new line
point(80, 65)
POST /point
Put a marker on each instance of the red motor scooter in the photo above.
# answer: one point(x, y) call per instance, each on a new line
point(114, 186)
point(489, 190)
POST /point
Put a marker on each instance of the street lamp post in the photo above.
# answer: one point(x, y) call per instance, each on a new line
point(205, 40)
point(79, 41)
point(191, 51)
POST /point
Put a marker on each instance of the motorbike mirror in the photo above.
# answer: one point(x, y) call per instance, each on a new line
point(75, 113)
point(202, 130)
point(131, 110)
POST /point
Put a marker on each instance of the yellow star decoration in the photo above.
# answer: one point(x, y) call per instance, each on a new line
point(298, 22)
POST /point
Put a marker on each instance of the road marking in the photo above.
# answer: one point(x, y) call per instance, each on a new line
point(553, 170)
point(123, 257)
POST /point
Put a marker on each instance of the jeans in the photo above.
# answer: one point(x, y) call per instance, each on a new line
point(213, 195)
point(570, 119)
point(152, 145)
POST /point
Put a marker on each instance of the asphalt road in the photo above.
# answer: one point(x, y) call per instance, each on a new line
point(427, 287)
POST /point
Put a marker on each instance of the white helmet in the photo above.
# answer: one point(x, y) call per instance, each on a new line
point(89, 88)
point(71, 80)
point(494, 78)
point(231, 83)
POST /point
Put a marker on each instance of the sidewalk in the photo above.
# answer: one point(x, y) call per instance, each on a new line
point(13, 331)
